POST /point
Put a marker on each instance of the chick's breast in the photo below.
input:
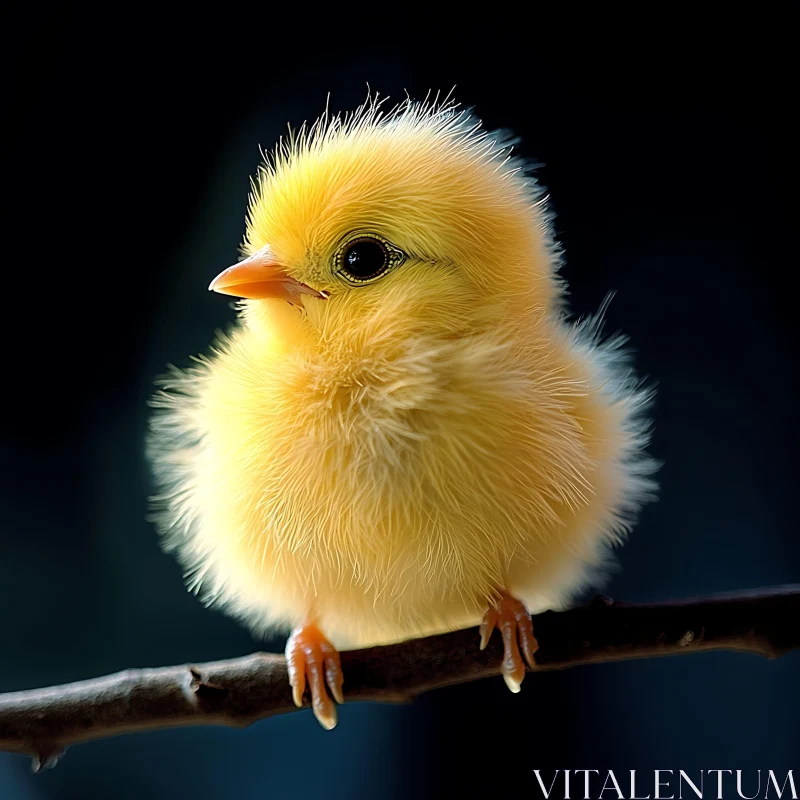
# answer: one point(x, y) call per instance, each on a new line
point(392, 488)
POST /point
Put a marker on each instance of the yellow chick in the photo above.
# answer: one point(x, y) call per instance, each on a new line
point(403, 434)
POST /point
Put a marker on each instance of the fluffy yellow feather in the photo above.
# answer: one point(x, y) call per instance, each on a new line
point(387, 457)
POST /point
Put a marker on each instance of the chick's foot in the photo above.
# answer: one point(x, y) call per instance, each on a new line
point(514, 622)
point(309, 655)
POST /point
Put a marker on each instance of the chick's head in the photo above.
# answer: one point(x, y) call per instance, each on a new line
point(414, 219)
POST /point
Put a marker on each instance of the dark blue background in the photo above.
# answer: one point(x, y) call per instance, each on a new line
point(130, 143)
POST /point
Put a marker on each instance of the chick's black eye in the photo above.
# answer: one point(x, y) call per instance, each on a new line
point(365, 259)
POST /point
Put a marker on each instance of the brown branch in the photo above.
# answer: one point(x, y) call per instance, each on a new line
point(239, 691)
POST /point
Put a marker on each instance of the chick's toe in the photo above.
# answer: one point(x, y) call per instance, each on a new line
point(311, 657)
point(511, 617)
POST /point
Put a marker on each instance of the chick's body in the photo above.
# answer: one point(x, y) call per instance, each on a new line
point(387, 458)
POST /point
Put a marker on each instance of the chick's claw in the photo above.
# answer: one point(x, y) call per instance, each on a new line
point(312, 658)
point(514, 622)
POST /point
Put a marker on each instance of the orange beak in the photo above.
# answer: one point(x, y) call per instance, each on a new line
point(259, 277)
